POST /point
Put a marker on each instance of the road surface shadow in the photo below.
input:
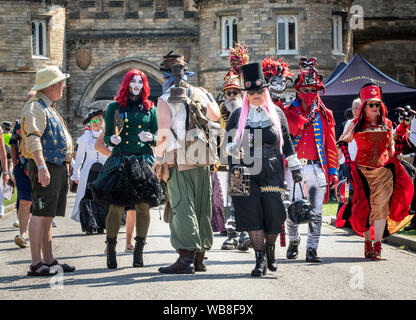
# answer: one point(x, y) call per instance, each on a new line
point(127, 279)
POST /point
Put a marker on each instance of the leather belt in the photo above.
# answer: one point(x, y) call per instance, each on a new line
point(304, 161)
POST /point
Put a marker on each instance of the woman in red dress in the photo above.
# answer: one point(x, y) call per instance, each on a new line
point(382, 189)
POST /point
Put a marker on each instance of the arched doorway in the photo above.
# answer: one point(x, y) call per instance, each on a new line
point(110, 88)
point(105, 85)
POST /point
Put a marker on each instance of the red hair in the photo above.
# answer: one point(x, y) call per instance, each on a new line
point(124, 89)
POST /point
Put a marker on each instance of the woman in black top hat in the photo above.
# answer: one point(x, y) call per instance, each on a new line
point(260, 138)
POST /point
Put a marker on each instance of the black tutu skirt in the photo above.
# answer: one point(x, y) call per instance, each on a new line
point(126, 180)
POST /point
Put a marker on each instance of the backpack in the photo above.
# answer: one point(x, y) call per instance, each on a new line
point(200, 145)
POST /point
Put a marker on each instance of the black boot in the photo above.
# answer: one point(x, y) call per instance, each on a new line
point(184, 265)
point(311, 255)
point(231, 242)
point(199, 262)
point(260, 268)
point(138, 252)
point(244, 243)
point(292, 250)
point(271, 260)
point(111, 253)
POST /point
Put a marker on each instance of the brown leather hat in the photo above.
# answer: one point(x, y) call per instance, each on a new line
point(171, 59)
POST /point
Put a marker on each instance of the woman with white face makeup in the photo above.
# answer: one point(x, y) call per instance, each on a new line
point(86, 157)
point(127, 181)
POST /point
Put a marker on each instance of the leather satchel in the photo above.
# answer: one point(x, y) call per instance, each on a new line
point(161, 171)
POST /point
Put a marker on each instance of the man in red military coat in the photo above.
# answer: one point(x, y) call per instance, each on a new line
point(311, 126)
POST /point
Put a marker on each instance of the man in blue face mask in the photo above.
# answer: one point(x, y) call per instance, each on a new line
point(168, 61)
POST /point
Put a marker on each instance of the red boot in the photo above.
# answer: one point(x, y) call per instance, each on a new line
point(368, 249)
point(377, 251)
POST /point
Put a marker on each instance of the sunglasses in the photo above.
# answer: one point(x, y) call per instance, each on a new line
point(372, 105)
point(96, 121)
point(231, 93)
point(258, 91)
point(308, 91)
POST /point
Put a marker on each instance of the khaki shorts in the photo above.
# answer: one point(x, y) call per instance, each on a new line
point(51, 200)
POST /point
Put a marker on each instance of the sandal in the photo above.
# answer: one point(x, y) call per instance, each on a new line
point(66, 268)
point(38, 271)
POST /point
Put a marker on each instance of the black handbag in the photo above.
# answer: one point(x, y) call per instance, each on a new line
point(300, 211)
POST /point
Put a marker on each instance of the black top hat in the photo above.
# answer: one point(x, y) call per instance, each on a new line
point(91, 114)
point(253, 77)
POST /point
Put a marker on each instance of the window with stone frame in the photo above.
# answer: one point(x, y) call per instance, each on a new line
point(337, 34)
point(228, 33)
point(287, 34)
point(39, 38)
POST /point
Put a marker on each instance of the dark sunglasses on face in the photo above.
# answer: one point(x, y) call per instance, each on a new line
point(229, 93)
point(258, 91)
point(372, 105)
point(308, 91)
point(96, 121)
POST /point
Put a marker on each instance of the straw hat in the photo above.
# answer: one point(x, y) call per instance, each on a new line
point(48, 76)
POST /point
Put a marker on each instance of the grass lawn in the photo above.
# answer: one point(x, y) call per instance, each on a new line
point(12, 200)
point(330, 209)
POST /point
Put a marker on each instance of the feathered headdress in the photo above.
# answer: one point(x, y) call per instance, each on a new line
point(273, 67)
point(238, 57)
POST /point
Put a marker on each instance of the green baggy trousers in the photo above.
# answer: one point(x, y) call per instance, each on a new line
point(190, 193)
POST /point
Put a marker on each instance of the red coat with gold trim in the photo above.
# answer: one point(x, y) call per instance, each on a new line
point(329, 162)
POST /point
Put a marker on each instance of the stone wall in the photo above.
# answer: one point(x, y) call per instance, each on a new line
point(119, 35)
point(257, 29)
point(17, 67)
point(388, 39)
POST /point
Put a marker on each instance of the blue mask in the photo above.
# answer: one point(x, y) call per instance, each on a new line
point(171, 78)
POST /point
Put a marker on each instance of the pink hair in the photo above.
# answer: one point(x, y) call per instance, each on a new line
point(270, 108)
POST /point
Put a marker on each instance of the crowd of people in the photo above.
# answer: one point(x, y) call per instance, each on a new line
point(237, 167)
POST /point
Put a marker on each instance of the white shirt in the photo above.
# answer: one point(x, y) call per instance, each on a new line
point(352, 146)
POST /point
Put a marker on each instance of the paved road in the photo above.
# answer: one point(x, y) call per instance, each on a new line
point(344, 274)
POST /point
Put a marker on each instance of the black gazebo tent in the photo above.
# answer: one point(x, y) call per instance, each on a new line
point(345, 86)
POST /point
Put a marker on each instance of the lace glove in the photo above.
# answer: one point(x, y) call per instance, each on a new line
point(146, 136)
point(115, 139)
point(293, 162)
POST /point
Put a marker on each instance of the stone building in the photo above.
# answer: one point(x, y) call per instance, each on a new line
point(97, 41)
point(23, 25)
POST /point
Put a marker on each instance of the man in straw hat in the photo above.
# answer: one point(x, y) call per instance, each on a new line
point(48, 146)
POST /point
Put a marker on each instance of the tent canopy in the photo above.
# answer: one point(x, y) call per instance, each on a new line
point(343, 87)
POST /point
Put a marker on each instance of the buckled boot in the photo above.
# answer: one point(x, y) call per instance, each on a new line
point(260, 268)
point(138, 252)
point(199, 261)
point(377, 251)
point(368, 249)
point(311, 255)
point(111, 253)
point(184, 264)
point(270, 255)
point(292, 250)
